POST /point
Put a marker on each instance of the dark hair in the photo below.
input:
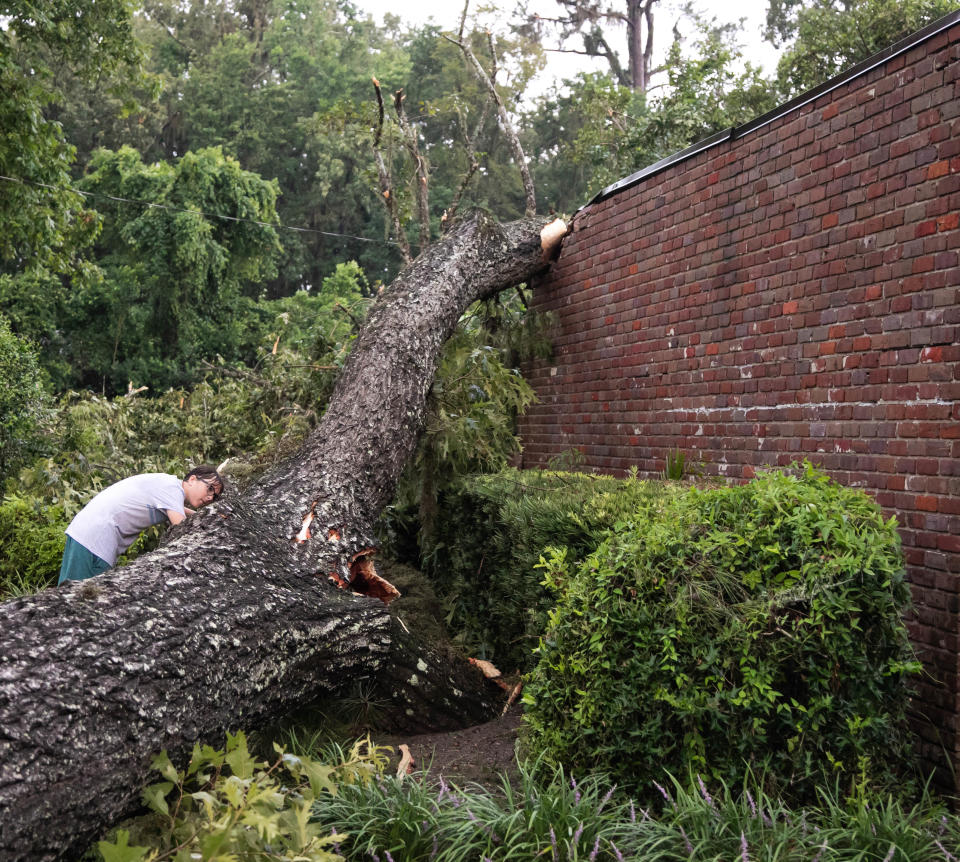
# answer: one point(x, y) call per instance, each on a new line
point(209, 475)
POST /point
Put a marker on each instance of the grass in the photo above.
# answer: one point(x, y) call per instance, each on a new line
point(552, 816)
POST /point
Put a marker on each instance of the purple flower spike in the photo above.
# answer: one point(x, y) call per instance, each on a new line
point(595, 851)
point(389, 857)
point(664, 793)
point(744, 855)
point(576, 793)
point(686, 841)
point(633, 813)
point(606, 798)
point(753, 805)
point(553, 844)
point(703, 792)
point(890, 853)
point(949, 857)
point(436, 847)
point(820, 851)
point(576, 835)
point(617, 852)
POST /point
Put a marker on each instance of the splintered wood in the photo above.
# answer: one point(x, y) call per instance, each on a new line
point(364, 580)
point(304, 533)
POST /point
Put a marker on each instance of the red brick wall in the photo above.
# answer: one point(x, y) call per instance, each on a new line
point(793, 293)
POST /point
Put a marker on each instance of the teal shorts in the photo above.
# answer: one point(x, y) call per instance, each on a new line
point(79, 563)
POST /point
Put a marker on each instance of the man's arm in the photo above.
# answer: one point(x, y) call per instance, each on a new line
point(176, 517)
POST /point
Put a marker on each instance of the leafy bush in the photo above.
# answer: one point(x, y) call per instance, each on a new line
point(490, 532)
point(714, 629)
point(23, 401)
point(227, 805)
point(31, 545)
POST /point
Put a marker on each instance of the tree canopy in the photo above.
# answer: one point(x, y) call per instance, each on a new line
point(182, 181)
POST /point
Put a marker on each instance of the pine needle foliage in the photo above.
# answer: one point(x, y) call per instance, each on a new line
point(715, 629)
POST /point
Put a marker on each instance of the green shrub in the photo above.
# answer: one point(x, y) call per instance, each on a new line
point(23, 400)
point(758, 624)
point(31, 545)
point(226, 805)
point(489, 534)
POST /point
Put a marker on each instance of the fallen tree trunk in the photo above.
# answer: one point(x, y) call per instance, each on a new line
point(237, 618)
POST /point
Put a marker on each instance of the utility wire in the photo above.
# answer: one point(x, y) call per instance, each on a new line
point(195, 212)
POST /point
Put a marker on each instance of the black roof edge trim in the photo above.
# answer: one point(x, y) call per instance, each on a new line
point(861, 68)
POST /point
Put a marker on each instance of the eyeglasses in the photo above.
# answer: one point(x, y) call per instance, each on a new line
point(214, 487)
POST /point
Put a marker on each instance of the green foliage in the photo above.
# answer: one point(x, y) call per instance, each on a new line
point(713, 629)
point(44, 223)
point(548, 814)
point(99, 441)
point(490, 532)
point(31, 545)
point(709, 88)
point(179, 276)
point(225, 805)
point(830, 36)
point(23, 401)
point(748, 823)
point(675, 466)
point(477, 394)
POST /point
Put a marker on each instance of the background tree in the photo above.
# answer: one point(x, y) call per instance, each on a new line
point(44, 224)
point(823, 38)
point(606, 131)
point(23, 401)
point(179, 274)
point(591, 21)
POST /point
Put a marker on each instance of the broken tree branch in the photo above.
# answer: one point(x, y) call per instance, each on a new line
point(505, 122)
point(386, 182)
point(421, 170)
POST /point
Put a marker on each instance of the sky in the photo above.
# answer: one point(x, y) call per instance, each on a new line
point(446, 13)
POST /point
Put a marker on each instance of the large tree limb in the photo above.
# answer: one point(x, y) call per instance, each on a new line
point(233, 621)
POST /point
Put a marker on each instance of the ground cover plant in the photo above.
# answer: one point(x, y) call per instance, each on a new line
point(227, 805)
point(715, 630)
point(554, 816)
point(333, 804)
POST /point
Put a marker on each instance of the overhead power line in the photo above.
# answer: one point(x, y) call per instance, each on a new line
point(195, 212)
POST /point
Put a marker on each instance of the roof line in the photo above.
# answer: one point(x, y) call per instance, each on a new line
point(828, 86)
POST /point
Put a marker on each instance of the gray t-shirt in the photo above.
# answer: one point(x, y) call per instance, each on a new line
point(112, 520)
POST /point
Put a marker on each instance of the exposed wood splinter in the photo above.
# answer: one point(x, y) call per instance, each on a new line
point(365, 580)
point(486, 668)
point(304, 533)
point(337, 581)
point(513, 696)
point(407, 762)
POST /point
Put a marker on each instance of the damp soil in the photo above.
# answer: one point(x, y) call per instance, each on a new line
point(483, 754)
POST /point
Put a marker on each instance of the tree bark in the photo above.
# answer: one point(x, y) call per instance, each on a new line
point(233, 621)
